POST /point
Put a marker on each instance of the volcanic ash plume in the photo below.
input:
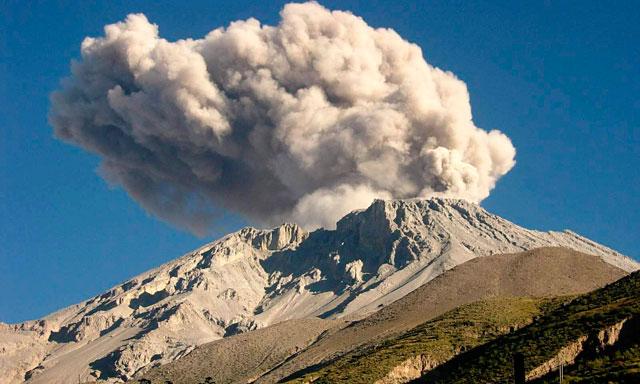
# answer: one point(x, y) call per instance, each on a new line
point(303, 121)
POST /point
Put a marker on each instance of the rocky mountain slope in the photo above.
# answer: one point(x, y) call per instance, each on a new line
point(541, 272)
point(254, 278)
point(245, 357)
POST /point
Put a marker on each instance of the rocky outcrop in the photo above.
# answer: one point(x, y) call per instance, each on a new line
point(409, 369)
point(565, 356)
point(22, 348)
point(607, 337)
point(286, 235)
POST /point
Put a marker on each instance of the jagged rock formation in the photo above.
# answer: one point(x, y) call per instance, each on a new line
point(253, 278)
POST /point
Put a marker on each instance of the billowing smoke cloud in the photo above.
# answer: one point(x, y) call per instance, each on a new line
point(303, 121)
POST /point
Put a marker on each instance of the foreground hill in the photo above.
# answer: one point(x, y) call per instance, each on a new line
point(407, 356)
point(255, 278)
point(596, 336)
point(536, 273)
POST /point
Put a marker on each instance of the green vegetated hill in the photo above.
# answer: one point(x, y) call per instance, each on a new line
point(596, 336)
point(618, 364)
point(434, 342)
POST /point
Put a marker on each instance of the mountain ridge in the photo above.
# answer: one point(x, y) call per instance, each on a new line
point(253, 278)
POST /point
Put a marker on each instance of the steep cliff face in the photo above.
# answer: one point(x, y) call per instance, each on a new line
point(253, 278)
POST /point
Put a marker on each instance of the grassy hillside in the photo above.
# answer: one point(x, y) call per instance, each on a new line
point(584, 318)
point(618, 365)
point(597, 335)
point(433, 342)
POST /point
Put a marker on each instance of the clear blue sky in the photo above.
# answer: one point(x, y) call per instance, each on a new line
point(561, 79)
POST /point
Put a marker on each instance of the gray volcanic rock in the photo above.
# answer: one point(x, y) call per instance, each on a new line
point(254, 278)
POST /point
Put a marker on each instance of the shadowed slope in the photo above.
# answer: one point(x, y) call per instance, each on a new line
point(595, 336)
